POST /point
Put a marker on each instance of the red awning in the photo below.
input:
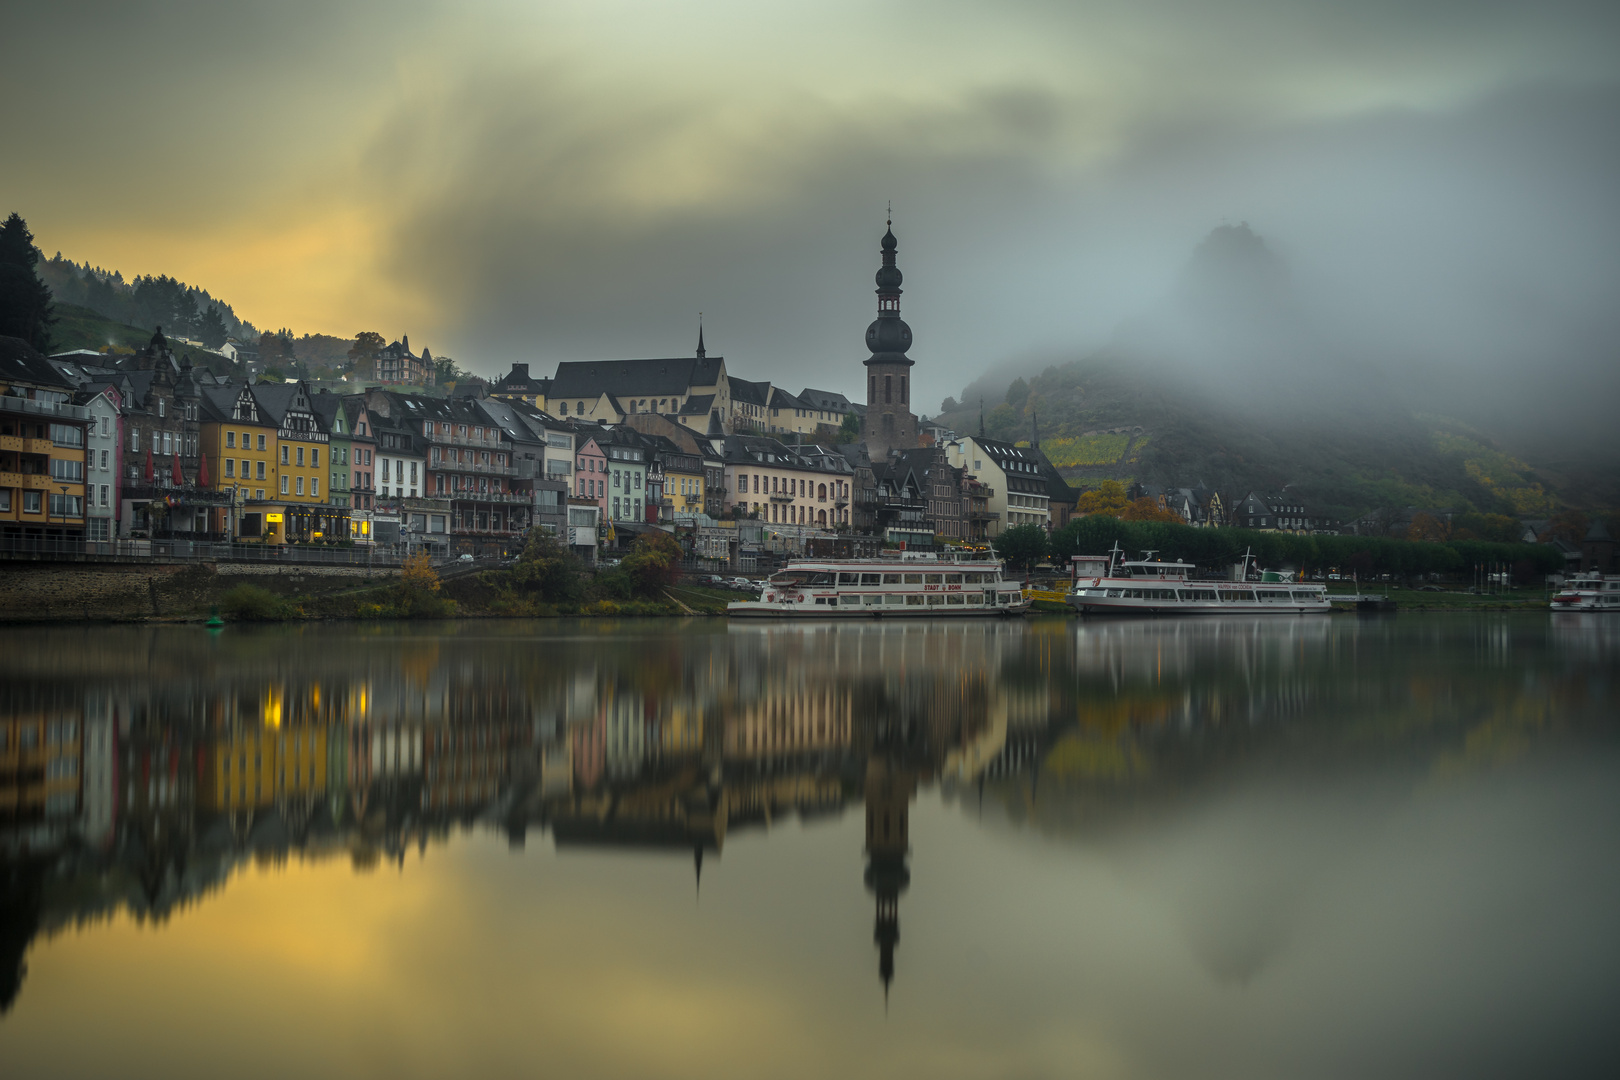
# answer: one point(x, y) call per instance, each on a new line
point(202, 471)
point(179, 477)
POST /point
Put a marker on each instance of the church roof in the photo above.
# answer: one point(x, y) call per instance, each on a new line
point(749, 392)
point(629, 378)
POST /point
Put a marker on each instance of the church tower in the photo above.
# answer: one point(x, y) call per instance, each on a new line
point(889, 423)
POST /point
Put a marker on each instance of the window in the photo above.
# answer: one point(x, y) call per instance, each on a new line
point(258, 493)
point(105, 493)
point(258, 472)
point(314, 485)
point(314, 457)
point(162, 408)
point(261, 443)
point(230, 440)
point(67, 506)
point(65, 469)
point(284, 485)
point(230, 467)
point(5, 505)
point(300, 457)
point(284, 455)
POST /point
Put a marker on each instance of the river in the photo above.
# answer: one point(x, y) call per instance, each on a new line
point(1295, 847)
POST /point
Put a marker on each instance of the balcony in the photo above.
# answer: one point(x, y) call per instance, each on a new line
point(50, 409)
point(781, 497)
point(983, 515)
point(31, 481)
point(26, 446)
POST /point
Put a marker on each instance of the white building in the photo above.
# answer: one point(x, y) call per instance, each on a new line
point(101, 461)
point(1019, 490)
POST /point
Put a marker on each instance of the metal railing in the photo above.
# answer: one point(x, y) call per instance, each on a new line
point(37, 548)
point(31, 407)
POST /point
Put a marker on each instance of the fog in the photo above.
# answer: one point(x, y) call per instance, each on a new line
point(545, 182)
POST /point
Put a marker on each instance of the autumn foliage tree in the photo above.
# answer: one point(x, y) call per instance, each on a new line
point(1109, 498)
point(417, 594)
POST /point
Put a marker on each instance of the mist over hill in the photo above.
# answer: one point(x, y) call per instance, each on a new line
point(1237, 380)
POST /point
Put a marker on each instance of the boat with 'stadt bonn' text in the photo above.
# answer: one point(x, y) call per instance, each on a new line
point(1107, 585)
point(915, 585)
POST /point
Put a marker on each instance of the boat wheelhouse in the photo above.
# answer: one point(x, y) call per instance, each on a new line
point(1108, 585)
point(928, 586)
point(1589, 592)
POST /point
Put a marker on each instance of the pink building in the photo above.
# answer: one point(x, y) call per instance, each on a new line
point(591, 474)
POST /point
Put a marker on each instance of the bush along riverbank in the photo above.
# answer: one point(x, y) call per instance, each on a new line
point(547, 580)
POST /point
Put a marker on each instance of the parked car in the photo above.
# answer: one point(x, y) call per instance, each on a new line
point(465, 557)
point(744, 585)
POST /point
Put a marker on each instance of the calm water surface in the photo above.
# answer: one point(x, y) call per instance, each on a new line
point(1320, 847)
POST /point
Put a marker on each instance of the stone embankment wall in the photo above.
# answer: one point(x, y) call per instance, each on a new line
point(55, 592)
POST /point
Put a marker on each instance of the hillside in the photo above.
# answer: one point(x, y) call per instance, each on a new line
point(80, 328)
point(1101, 418)
point(1228, 383)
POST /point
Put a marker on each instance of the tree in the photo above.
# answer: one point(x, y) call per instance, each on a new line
point(948, 405)
point(367, 344)
point(548, 568)
point(277, 349)
point(164, 301)
point(211, 328)
point(25, 301)
point(850, 430)
point(1022, 546)
point(446, 371)
point(1018, 394)
point(653, 563)
point(1109, 498)
point(1145, 509)
point(417, 591)
point(1426, 526)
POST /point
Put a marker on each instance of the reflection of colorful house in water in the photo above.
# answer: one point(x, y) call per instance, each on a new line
point(789, 719)
point(40, 765)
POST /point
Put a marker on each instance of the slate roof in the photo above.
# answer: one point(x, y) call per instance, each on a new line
point(634, 378)
point(750, 392)
point(824, 400)
point(21, 362)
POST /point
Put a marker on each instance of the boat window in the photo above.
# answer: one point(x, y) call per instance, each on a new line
point(1305, 597)
point(1116, 593)
point(850, 598)
point(953, 579)
point(871, 579)
point(953, 598)
point(1243, 596)
point(935, 599)
point(821, 599)
point(915, 599)
point(849, 579)
point(873, 599)
point(934, 579)
point(894, 599)
point(913, 579)
point(891, 579)
point(821, 579)
point(975, 598)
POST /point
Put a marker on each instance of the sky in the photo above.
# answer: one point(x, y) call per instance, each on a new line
point(535, 182)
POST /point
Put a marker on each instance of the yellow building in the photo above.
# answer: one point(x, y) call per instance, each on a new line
point(683, 488)
point(256, 764)
point(40, 753)
point(240, 445)
point(42, 443)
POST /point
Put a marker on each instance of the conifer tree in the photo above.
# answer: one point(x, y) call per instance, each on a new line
point(25, 301)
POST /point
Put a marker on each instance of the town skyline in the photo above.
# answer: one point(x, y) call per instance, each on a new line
point(552, 183)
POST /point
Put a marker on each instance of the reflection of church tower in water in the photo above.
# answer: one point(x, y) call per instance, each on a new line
point(889, 790)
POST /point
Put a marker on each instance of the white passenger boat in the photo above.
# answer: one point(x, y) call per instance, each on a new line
point(1108, 585)
point(926, 586)
point(1589, 592)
